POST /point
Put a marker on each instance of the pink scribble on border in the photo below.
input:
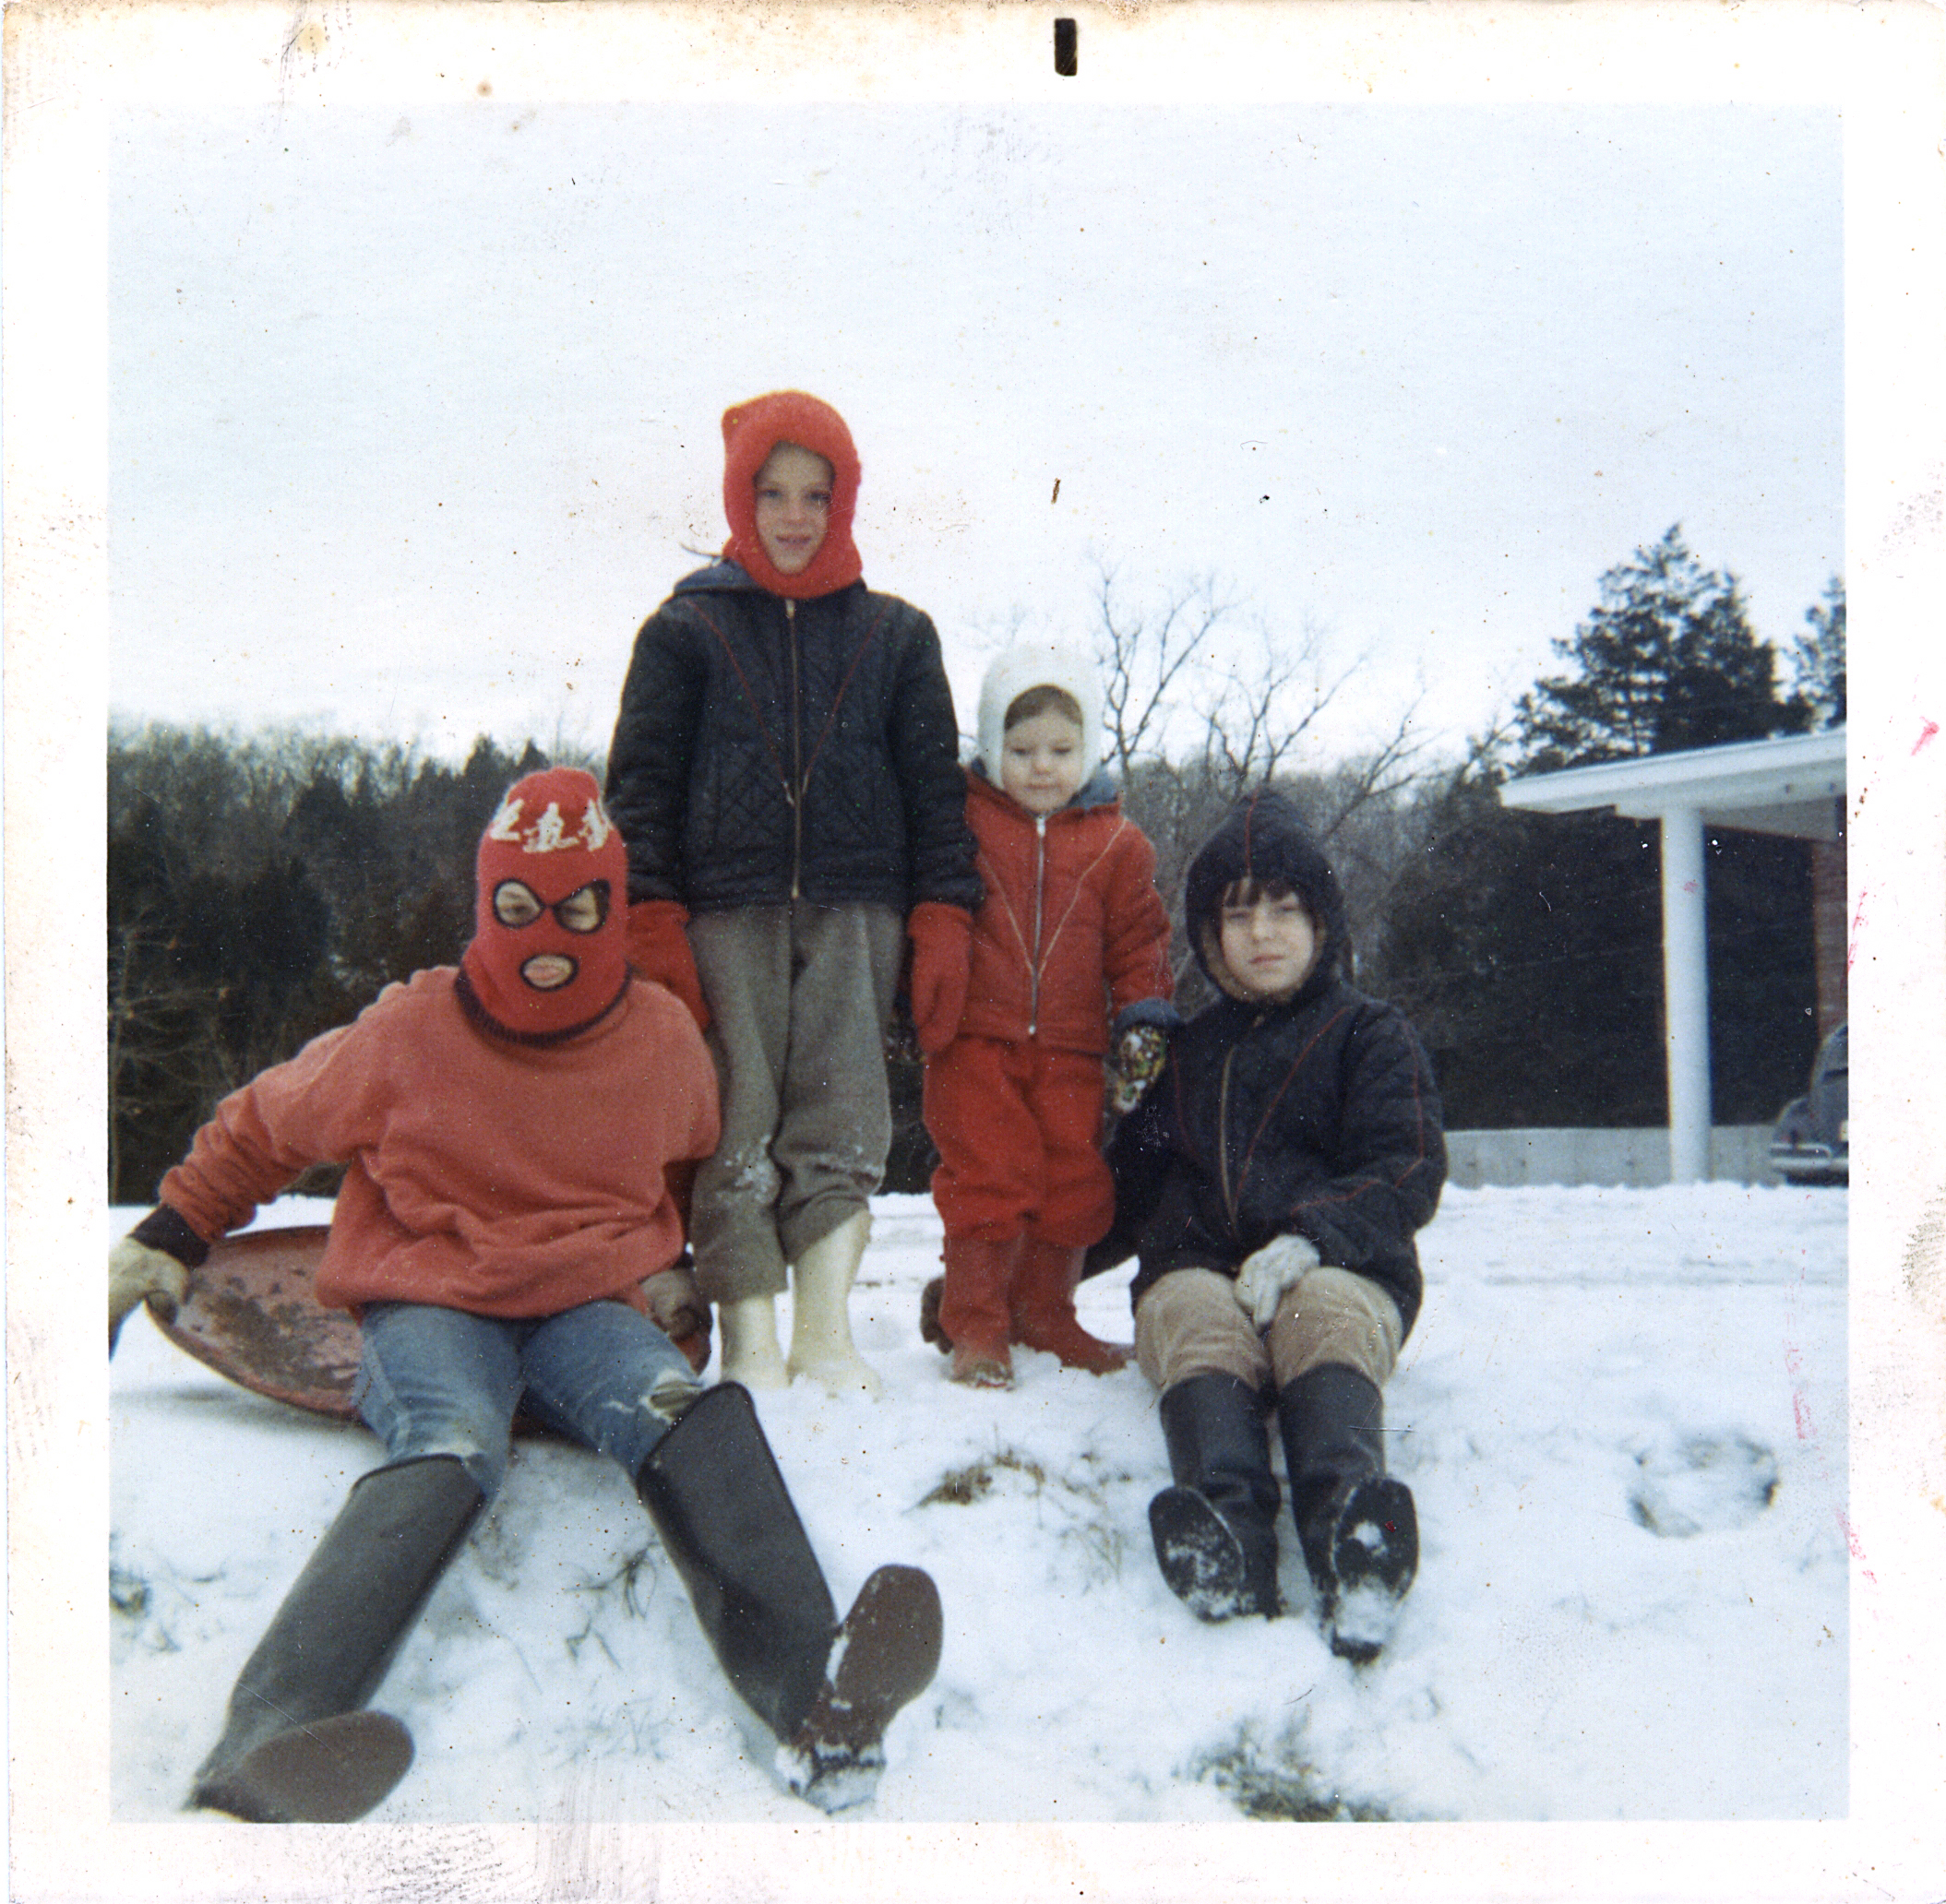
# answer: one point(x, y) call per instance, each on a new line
point(1857, 926)
point(1851, 1540)
point(1926, 734)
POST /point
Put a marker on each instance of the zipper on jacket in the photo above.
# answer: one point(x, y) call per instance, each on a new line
point(1222, 1138)
point(795, 794)
point(1040, 883)
point(1222, 1134)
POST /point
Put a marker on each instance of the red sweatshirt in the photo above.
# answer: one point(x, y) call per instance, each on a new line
point(481, 1174)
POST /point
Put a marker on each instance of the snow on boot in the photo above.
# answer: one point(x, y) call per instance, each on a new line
point(1044, 1314)
point(1215, 1531)
point(884, 1657)
point(821, 1280)
point(1375, 1554)
point(974, 1313)
point(930, 1298)
point(296, 1746)
point(1358, 1529)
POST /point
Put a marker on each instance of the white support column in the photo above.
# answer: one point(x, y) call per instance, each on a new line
point(1686, 993)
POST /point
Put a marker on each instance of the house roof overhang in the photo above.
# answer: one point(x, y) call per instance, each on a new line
point(1792, 785)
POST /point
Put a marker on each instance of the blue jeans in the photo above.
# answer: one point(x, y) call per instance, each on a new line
point(436, 1380)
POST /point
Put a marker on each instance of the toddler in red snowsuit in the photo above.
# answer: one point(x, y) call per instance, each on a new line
point(1071, 932)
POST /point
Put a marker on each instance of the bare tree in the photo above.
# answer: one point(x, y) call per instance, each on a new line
point(1147, 659)
point(1199, 707)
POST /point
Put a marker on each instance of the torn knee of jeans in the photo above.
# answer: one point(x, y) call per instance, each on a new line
point(671, 1396)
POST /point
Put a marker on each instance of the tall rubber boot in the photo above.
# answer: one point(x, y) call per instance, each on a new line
point(751, 1354)
point(1357, 1525)
point(1044, 1314)
point(826, 1691)
point(1215, 1531)
point(297, 1747)
point(974, 1313)
point(821, 1278)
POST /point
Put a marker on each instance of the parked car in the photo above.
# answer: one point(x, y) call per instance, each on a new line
point(1812, 1141)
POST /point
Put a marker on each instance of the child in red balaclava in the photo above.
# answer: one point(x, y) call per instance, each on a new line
point(508, 1237)
point(785, 770)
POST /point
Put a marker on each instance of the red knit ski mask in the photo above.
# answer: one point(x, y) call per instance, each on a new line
point(552, 897)
point(751, 430)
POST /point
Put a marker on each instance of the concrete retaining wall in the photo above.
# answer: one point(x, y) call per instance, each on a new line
point(1739, 1153)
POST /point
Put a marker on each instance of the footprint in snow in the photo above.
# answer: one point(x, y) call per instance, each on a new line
point(1702, 1483)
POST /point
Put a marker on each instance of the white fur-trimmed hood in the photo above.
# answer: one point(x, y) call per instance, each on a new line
point(1039, 664)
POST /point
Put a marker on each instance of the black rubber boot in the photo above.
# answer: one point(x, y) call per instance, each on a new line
point(1215, 1531)
point(1357, 1526)
point(297, 1746)
point(711, 1485)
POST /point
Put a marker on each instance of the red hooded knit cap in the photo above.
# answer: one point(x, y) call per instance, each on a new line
point(552, 836)
point(751, 430)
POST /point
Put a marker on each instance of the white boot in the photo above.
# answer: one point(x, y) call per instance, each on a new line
point(751, 1354)
point(821, 1280)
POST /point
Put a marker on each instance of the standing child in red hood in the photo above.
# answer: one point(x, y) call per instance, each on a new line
point(785, 770)
point(508, 1236)
point(1071, 934)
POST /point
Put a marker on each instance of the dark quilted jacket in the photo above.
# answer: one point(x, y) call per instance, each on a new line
point(1316, 1116)
point(768, 750)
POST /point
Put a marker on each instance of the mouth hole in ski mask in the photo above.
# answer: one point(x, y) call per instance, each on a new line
point(548, 972)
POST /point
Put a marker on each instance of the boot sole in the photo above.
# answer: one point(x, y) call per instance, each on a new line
point(885, 1656)
point(1201, 1559)
point(326, 1773)
point(1375, 1555)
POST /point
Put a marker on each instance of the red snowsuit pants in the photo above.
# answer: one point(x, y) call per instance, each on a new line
point(1016, 1127)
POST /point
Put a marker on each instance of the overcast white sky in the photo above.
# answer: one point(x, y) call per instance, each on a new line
point(413, 412)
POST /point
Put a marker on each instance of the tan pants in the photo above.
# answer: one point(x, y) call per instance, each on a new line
point(1190, 1324)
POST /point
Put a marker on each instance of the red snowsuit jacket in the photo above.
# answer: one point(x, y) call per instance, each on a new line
point(1072, 930)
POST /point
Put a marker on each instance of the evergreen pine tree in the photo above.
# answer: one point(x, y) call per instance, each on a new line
point(1666, 661)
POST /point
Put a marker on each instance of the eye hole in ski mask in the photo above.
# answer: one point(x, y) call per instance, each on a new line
point(583, 911)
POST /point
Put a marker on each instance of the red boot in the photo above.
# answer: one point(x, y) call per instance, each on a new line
point(1044, 1309)
point(974, 1313)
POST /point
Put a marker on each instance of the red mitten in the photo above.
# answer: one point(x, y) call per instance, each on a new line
point(659, 949)
point(942, 945)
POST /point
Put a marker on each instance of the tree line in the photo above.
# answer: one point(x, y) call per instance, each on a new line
point(263, 887)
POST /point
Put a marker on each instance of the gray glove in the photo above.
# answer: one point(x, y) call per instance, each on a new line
point(138, 1274)
point(1267, 1273)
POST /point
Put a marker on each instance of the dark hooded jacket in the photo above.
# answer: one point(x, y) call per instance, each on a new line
point(1314, 1115)
point(788, 737)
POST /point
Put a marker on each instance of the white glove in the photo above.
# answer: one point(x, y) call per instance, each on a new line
point(1266, 1275)
point(138, 1274)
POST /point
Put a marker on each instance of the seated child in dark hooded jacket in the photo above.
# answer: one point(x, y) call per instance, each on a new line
point(514, 1132)
point(1070, 949)
point(1272, 1183)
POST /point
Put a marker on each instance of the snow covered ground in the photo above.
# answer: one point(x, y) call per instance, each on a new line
point(1622, 1414)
